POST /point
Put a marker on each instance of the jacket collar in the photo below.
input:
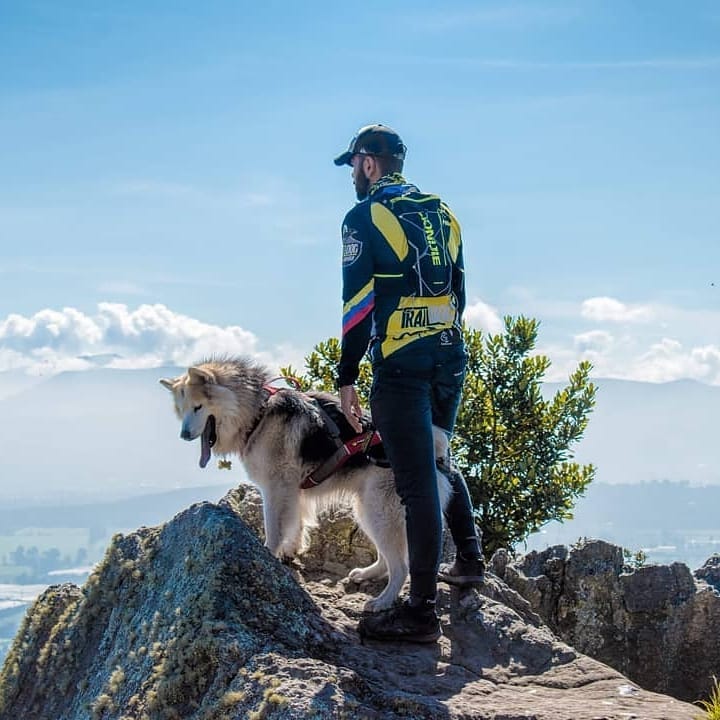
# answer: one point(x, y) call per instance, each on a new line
point(392, 184)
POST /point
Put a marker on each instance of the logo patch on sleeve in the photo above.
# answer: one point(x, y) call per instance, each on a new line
point(352, 247)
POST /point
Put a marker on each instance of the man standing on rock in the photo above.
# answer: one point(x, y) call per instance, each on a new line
point(404, 294)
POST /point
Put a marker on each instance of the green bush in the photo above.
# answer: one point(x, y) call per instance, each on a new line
point(512, 445)
point(712, 705)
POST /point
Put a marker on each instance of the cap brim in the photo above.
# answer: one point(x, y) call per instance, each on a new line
point(344, 159)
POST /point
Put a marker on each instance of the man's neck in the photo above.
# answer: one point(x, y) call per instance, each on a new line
point(389, 179)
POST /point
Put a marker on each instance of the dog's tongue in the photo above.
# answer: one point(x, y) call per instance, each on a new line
point(207, 440)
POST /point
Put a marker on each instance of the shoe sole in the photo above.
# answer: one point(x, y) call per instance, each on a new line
point(462, 581)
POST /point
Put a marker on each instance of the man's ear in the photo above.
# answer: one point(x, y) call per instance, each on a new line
point(201, 376)
point(368, 165)
point(167, 383)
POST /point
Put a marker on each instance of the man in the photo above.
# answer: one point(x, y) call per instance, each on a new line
point(404, 294)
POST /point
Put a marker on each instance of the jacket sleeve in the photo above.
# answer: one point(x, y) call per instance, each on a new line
point(456, 255)
point(358, 295)
point(458, 281)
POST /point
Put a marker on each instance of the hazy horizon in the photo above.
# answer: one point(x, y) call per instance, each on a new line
point(113, 433)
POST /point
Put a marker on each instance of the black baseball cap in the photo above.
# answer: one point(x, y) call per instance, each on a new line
point(373, 140)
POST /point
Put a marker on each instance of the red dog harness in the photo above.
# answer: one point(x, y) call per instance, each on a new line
point(361, 443)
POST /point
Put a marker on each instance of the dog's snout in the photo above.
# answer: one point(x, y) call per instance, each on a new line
point(185, 434)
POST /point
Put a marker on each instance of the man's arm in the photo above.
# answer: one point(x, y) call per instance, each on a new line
point(358, 297)
point(358, 304)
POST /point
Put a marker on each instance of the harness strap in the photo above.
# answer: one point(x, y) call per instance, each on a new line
point(345, 450)
point(359, 444)
point(331, 425)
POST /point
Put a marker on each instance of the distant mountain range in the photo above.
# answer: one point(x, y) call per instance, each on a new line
point(97, 435)
point(108, 434)
point(122, 515)
point(666, 521)
point(643, 432)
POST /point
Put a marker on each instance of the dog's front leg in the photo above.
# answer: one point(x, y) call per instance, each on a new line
point(271, 520)
point(283, 525)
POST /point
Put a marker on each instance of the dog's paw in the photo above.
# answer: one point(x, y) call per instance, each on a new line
point(287, 556)
point(356, 576)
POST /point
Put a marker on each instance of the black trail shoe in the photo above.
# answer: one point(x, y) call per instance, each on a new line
point(463, 573)
point(402, 622)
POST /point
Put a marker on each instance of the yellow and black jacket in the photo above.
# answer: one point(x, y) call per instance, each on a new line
point(403, 277)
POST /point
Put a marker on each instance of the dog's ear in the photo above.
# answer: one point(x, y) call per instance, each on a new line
point(167, 383)
point(201, 376)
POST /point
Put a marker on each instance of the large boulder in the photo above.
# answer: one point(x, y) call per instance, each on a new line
point(656, 624)
point(195, 620)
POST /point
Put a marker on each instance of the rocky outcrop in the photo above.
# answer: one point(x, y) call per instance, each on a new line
point(656, 624)
point(195, 620)
point(710, 572)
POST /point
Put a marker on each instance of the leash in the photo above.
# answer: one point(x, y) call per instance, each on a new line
point(289, 379)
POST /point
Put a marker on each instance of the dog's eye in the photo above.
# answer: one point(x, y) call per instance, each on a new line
point(197, 408)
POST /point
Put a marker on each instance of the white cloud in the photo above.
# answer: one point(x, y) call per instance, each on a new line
point(669, 360)
point(52, 341)
point(672, 347)
point(606, 309)
point(595, 341)
point(66, 331)
point(648, 341)
point(482, 316)
point(628, 358)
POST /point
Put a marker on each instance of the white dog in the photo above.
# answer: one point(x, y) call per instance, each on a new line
point(281, 437)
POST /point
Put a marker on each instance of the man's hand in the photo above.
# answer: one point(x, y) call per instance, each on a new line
point(350, 405)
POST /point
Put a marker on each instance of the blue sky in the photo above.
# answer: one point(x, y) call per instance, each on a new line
point(167, 187)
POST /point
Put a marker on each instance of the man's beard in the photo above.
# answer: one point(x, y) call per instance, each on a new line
point(362, 185)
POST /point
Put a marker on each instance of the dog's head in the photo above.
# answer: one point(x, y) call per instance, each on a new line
point(197, 395)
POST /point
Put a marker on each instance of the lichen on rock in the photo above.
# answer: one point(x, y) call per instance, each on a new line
point(195, 620)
